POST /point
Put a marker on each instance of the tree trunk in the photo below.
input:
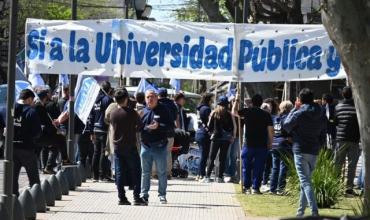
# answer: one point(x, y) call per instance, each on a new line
point(212, 9)
point(347, 23)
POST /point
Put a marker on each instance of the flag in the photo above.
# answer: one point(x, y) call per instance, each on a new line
point(19, 66)
point(20, 60)
point(19, 86)
point(63, 80)
point(36, 80)
point(231, 91)
point(85, 99)
point(144, 86)
point(19, 74)
point(175, 84)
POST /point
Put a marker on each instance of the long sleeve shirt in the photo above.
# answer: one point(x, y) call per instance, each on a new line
point(160, 114)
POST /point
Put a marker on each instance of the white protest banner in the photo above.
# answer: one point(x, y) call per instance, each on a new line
point(86, 97)
point(286, 53)
point(184, 50)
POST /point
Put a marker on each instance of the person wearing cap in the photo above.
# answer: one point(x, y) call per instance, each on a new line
point(171, 107)
point(223, 129)
point(27, 127)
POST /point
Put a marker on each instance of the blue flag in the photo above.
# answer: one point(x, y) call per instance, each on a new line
point(175, 84)
point(63, 80)
point(36, 80)
point(231, 91)
point(145, 86)
point(19, 66)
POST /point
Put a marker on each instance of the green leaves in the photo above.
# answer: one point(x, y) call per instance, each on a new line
point(326, 180)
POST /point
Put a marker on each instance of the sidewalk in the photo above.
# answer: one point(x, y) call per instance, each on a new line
point(186, 200)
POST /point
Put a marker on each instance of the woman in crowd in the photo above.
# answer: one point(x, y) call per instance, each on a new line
point(281, 148)
point(273, 109)
point(222, 126)
point(202, 135)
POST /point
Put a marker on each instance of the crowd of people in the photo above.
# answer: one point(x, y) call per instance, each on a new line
point(139, 132)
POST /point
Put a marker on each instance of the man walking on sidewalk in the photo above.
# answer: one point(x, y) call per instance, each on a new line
point(156, 121)
point(307, 124)
point(348, 137)
point(125, 122)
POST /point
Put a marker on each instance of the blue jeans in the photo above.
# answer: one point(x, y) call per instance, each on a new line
point(360, 180)
point(279, 169)
point(158, 154)
point(204, 143)
point(253, 158)
point(305, 165)
point(232, 153)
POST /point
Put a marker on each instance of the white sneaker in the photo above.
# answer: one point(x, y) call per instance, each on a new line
point(206, 180)
point(162, 199)
point(265, 188)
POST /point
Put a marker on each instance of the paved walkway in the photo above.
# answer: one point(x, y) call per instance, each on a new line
point(186, 200)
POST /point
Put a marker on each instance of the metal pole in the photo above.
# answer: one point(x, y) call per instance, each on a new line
point(245, 20)
point(127, 2)
point(240, 131)
point(7, 197)
point(126, 5)
point(245, 11)
point(71, 124)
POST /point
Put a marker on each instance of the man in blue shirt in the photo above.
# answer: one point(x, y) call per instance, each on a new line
point(307, 124)
point(157, 121)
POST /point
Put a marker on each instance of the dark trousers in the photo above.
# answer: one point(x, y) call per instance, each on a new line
point(253, 158)
point(279, 169)
point(49, 156)
point(216, 146)
point(86, 148)
point(128, 172)
point(100, 164)
point(28, 160)
point(57, 141)
point(267, 171)
point(204, 144)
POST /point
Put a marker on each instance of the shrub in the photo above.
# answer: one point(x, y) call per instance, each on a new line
point(326, 181)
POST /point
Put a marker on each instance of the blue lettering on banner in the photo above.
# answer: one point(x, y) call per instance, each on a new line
point(192, 53)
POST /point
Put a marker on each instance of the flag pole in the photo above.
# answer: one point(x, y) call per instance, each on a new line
point(7, 196)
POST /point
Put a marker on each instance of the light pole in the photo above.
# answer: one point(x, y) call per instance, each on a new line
point(7, 197)
point(71, 124)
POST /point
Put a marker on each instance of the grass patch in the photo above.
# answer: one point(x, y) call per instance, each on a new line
point(281, 206)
